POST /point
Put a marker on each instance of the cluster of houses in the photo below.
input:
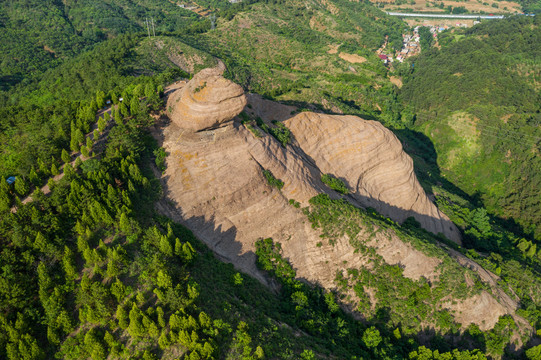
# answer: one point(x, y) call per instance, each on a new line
point(410, 47)
point(411, 44)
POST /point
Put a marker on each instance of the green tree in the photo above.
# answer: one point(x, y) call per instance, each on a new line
point(308, 355)
point(122, 317)
point(371, 337)
point(68, 263)
point(89, 143)
point(85, 151)
point(66, 158)
point(102, 124)
point(165, 246)
point(136, 327)
point(34, 177)
point(54, 169)
point(100, 99)
point(20, 186)
point(534, 353)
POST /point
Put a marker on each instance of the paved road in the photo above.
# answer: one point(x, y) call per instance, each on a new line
point(447, 16)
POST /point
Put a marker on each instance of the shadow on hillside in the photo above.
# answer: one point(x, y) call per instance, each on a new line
point(424, 156)
point(8, 81)
point(223, 242)
point(227, 249)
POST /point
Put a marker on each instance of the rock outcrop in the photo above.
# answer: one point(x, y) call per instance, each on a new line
point(209, 100)
point(370, 160)
point(214, 177)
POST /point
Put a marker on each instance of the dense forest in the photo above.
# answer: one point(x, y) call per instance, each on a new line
point(478, 100)
point(90, 270)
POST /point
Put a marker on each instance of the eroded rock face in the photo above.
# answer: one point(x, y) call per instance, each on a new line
point(207, 101)
point(370, 160)
point(214, 177)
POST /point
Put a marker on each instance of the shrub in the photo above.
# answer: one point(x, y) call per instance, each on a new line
point(334, 183)
point(277, 183)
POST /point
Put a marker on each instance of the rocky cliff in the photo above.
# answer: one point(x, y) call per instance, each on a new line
point(371, 161)
point(208, 100)
point(214, 178)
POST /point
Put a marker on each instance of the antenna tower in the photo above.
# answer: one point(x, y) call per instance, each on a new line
point(212, 21)
point(148, 29)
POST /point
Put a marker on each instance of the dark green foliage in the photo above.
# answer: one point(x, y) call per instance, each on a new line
point(274, 182)
point(534, 353)
point(478, 102)
point(281, 133)
point(91, 271)
point(269, 258)
point(426, 38)
point(334, 183)
point(160, 155)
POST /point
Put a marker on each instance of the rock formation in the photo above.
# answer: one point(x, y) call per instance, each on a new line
point(207, 101)
point(214, 178)
point(370, 160)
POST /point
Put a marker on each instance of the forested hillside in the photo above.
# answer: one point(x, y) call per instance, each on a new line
point(39, 34)
point(88, 268)
point(478, 100)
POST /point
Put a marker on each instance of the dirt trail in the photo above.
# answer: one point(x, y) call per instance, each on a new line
point(74, 155)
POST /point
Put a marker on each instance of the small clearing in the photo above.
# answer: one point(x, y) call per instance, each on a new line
point(333, 49)
point(352, 58)
point(396, 81)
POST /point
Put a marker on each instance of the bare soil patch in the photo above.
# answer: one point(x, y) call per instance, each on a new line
point(333, 49)
point(352, 58)
point(396, 81)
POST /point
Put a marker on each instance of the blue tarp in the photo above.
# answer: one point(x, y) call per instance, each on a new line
point(10, 180)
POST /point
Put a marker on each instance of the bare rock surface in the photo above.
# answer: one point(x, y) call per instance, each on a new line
point(209, 100)
point(482, 309)
point(370, 160)
point(214, 184)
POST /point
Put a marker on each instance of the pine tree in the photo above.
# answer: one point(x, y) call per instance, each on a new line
point(69, 264)
point(79, 136)
point(118, 289)
point(69, 172)
point(150, 90)
point(138, 91)
point(134, 106)
point(100, 99)
point(78, 162)
point(74, 144)
point(84, 151)
point(165, 246)
point(163, 280)
point(102, 124)
point(54, 169)
point(5, 201)
point(118, 117)
point(122, 317)
point(89, 143)
point(124, 224)
point(4, 186)
point(20, 186)
point(43, 168)
point(124, 109)
point(34, 177)
point(163, 340)
point(136, 327)
point(66, 158)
